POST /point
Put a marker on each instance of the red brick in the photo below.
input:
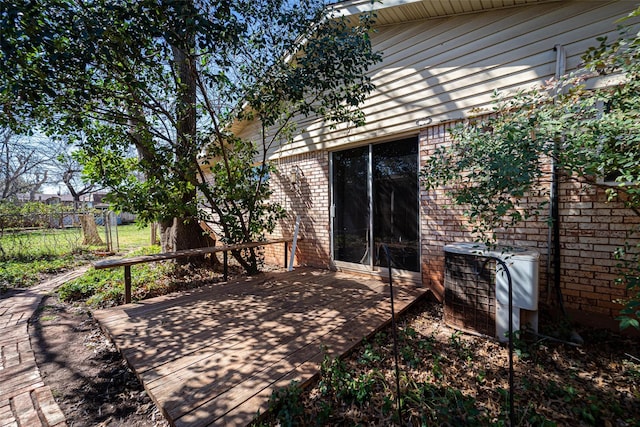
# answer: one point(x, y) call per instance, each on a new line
point(26, 413)
point(579, 287)
point(595, 268)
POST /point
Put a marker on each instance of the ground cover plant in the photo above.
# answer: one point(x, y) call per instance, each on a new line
point(22, 273)
point(450, 378)
point(99, 288)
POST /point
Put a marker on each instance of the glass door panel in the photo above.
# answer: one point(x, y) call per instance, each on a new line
point(351, 206)
point(395, 203)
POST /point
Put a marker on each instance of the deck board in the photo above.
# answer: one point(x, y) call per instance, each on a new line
point(213, 355)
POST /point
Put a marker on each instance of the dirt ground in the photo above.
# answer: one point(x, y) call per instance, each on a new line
point(88, 377)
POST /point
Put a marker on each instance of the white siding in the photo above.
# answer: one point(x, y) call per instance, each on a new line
point(442, 68)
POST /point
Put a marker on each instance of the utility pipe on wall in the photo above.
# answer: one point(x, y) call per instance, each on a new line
point(553, 236)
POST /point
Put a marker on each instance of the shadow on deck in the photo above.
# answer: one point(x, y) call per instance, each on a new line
point(212, 356)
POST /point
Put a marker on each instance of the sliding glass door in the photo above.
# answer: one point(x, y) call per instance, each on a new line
point(375, 203)
point(351, 222)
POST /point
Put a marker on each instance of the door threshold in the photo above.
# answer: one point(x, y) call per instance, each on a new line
point(400, 276)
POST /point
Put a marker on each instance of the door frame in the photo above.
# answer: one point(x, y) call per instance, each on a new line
point(370, 268)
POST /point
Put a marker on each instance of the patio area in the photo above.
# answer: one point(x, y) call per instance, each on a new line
point(213, 356)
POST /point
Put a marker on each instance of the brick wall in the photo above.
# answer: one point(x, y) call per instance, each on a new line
point(308, 196)
point(590, 230)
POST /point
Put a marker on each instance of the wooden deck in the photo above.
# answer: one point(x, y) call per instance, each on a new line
point(212, 356)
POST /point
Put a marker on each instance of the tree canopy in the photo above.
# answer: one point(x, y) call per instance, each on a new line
point(25, 165)
point(168, 78)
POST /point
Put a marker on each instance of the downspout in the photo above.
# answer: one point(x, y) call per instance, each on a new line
point(553, 236)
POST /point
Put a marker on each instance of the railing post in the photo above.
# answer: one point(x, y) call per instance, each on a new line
point(127, 284)
point(225, 259)
point(286, 253)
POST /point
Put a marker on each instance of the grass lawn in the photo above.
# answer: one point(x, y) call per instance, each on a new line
point(28, 255)
point(131, 237)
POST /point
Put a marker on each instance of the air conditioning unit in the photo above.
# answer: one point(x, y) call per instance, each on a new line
point(478, 301)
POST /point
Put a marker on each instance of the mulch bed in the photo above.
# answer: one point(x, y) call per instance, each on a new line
point(451, 378)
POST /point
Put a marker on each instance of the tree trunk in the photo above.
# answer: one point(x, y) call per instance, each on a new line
point(180, 233)
point(186, 232)
point(167, 237)
point(249, 262)
point(90, 230)
point(154, 233)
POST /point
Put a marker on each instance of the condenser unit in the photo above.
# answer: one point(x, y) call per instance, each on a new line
point(477, 299)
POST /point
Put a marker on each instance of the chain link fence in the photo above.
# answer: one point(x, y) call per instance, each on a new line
point(32, 235)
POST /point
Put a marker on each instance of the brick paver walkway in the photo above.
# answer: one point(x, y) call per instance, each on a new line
point(24, 398)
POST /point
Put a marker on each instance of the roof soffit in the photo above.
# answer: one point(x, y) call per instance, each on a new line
point(391, 12)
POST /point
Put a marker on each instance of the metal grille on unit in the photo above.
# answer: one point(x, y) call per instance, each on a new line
point(469, 298)
point(479, 302)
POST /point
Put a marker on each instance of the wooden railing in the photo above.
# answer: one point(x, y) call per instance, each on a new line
point(142, 259)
